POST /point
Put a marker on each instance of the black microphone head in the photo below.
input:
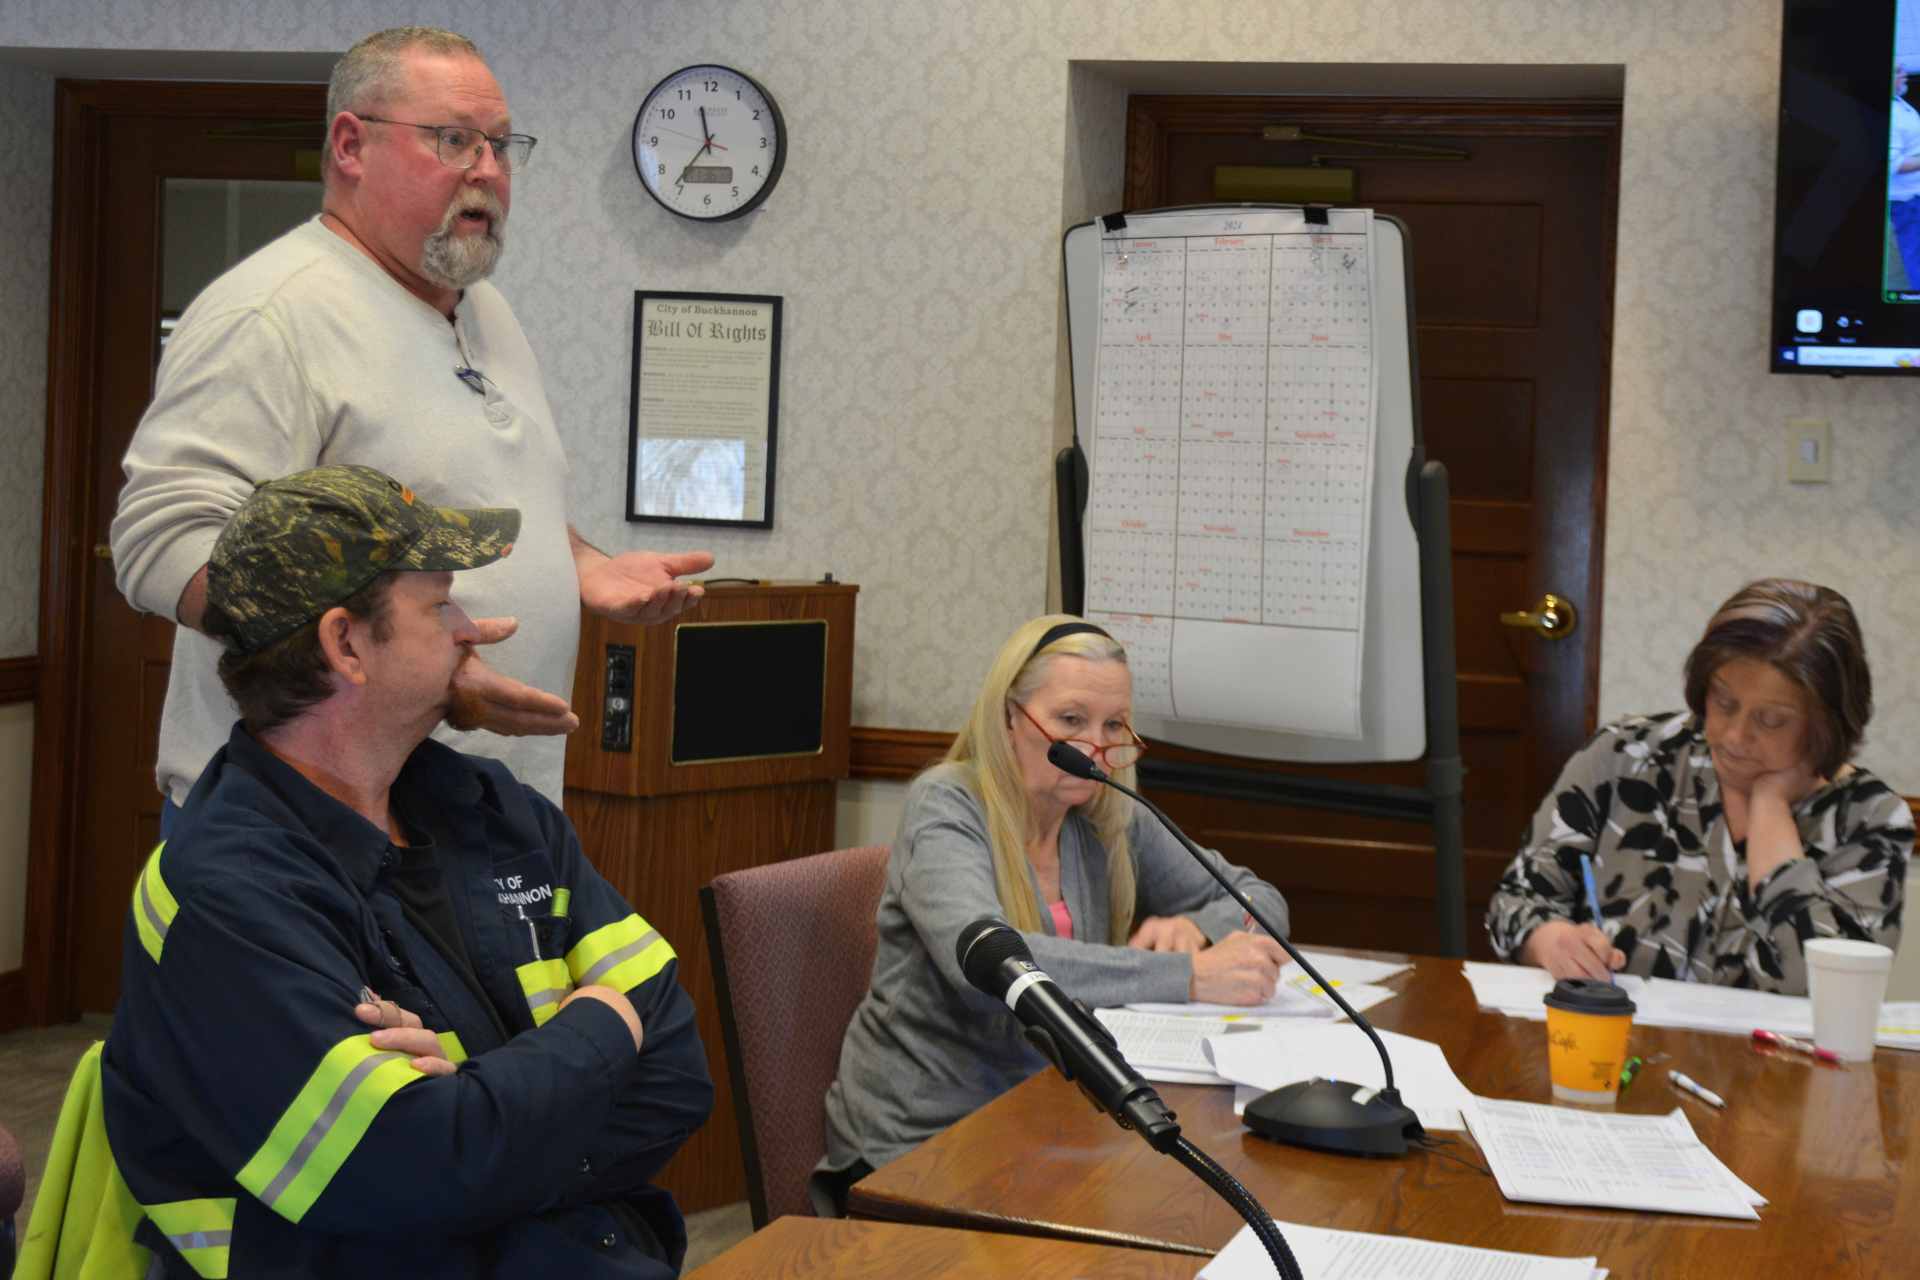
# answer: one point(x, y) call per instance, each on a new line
point(1067, 760)
point(983, 950)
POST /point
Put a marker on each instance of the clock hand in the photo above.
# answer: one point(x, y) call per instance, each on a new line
point(706, 148)
point(706, 145)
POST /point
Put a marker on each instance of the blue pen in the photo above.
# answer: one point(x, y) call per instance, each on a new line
point(1593, 895)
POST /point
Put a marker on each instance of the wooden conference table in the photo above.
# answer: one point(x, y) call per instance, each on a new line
point(816, 1249)
point(1828, 1146)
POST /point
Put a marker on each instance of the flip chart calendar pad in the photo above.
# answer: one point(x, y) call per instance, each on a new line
point(1243, 392)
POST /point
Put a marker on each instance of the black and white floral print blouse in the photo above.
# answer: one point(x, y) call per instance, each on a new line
point(1643, 799)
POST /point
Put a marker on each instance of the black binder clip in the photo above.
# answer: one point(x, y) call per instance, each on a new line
point(1112, 222)
point(1316, 214)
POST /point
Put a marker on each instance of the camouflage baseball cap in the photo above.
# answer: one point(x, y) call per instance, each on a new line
point(302, 544)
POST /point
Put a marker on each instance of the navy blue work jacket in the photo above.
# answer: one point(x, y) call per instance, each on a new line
point(262, 1132)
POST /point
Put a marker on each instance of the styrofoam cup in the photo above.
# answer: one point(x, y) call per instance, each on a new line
point(1847, 980)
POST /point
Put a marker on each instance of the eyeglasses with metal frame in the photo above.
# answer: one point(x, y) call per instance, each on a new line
point(458, 146)
point(1118, 755)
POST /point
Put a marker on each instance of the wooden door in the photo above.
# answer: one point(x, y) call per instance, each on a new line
point(166, 164)
point(1510, 211)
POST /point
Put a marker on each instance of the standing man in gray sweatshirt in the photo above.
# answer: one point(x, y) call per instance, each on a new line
point(369, 335)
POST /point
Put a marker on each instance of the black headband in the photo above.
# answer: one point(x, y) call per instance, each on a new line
point(1061, 630)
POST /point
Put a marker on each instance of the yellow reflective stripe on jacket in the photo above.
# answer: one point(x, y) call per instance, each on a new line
point(316, 1134)
point(621, 955)
point(153, 905)
point(545, 984)
point(201, 1230)
point(451, 1046)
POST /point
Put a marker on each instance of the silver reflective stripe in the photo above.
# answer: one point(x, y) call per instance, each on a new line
point(1020, 985)
point(613, 958)
point(540, 999)
point(153, 916)
point(156, 1269)
point(201, 1240)
point(322, 1124)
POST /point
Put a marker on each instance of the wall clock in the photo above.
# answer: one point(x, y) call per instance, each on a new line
point(709, 143)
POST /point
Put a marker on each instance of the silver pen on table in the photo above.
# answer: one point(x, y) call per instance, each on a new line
point(1688, 1084)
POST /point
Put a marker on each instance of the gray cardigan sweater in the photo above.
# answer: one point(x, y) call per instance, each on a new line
point(925, 1047)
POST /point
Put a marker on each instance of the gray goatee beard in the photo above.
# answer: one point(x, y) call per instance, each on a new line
point(456, 261)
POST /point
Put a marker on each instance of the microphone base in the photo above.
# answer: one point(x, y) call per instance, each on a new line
point(1337, 1116)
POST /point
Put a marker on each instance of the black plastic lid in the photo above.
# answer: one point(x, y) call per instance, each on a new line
point(1588, 995)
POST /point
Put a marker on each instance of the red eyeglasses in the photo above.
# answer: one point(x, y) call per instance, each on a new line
point(1116, 756)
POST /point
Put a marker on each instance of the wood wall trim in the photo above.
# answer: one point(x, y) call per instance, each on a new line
point(895, 754)
point(19, 679)
point(899, 754)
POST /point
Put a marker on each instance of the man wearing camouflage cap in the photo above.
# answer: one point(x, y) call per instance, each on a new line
point(534, 1061)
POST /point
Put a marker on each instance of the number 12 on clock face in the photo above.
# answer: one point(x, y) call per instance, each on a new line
point(709, 143)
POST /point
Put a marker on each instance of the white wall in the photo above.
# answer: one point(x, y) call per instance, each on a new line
point(1904, 982)
point(869, 812)
point(936, 157)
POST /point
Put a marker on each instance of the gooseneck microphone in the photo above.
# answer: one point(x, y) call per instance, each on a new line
point(997, 960)
point(1328, 1115)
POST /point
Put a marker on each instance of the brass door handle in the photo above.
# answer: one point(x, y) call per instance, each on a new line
point(1553, 617)
point(101, 551)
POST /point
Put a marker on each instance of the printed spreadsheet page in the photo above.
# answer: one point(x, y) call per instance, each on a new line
point(1233, 467)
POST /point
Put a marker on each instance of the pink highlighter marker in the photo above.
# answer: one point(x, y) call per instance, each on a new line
point(1796, 1044)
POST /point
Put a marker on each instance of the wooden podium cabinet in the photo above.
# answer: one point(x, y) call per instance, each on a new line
point(716, 768)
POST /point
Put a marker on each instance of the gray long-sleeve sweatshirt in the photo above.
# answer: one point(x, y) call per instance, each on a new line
point(925, 1047)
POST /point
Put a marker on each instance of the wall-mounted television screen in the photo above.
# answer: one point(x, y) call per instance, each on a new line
point(1846, 265)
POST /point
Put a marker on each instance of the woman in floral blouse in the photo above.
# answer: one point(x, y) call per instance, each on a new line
point(1724, 836)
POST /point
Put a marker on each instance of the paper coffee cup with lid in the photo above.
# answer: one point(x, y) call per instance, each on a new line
point(1587, 1025)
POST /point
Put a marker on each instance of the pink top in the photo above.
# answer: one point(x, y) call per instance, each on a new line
point(1062, 918)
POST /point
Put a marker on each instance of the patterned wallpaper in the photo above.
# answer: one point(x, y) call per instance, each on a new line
point(26, 222)
point(938, 151)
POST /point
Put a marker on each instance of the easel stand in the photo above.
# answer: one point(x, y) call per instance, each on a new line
point(1439, 802)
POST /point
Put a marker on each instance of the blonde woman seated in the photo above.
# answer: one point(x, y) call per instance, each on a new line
point(1725, 836)
point(1113, 908)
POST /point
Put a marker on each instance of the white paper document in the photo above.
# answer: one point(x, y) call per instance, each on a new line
point(1899, 1025)
point(1326, 1254)
point(1560, 1155)
point(1170, 1047)
point(1286, 1053)
point(1296, 997)
point(1517, 990)
point(1339, 969)
point(1299, 996)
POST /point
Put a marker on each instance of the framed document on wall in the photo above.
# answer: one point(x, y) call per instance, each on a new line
point(705, 408)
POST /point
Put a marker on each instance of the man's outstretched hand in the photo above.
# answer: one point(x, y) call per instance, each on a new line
point(642, 586)
point(482, 698)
